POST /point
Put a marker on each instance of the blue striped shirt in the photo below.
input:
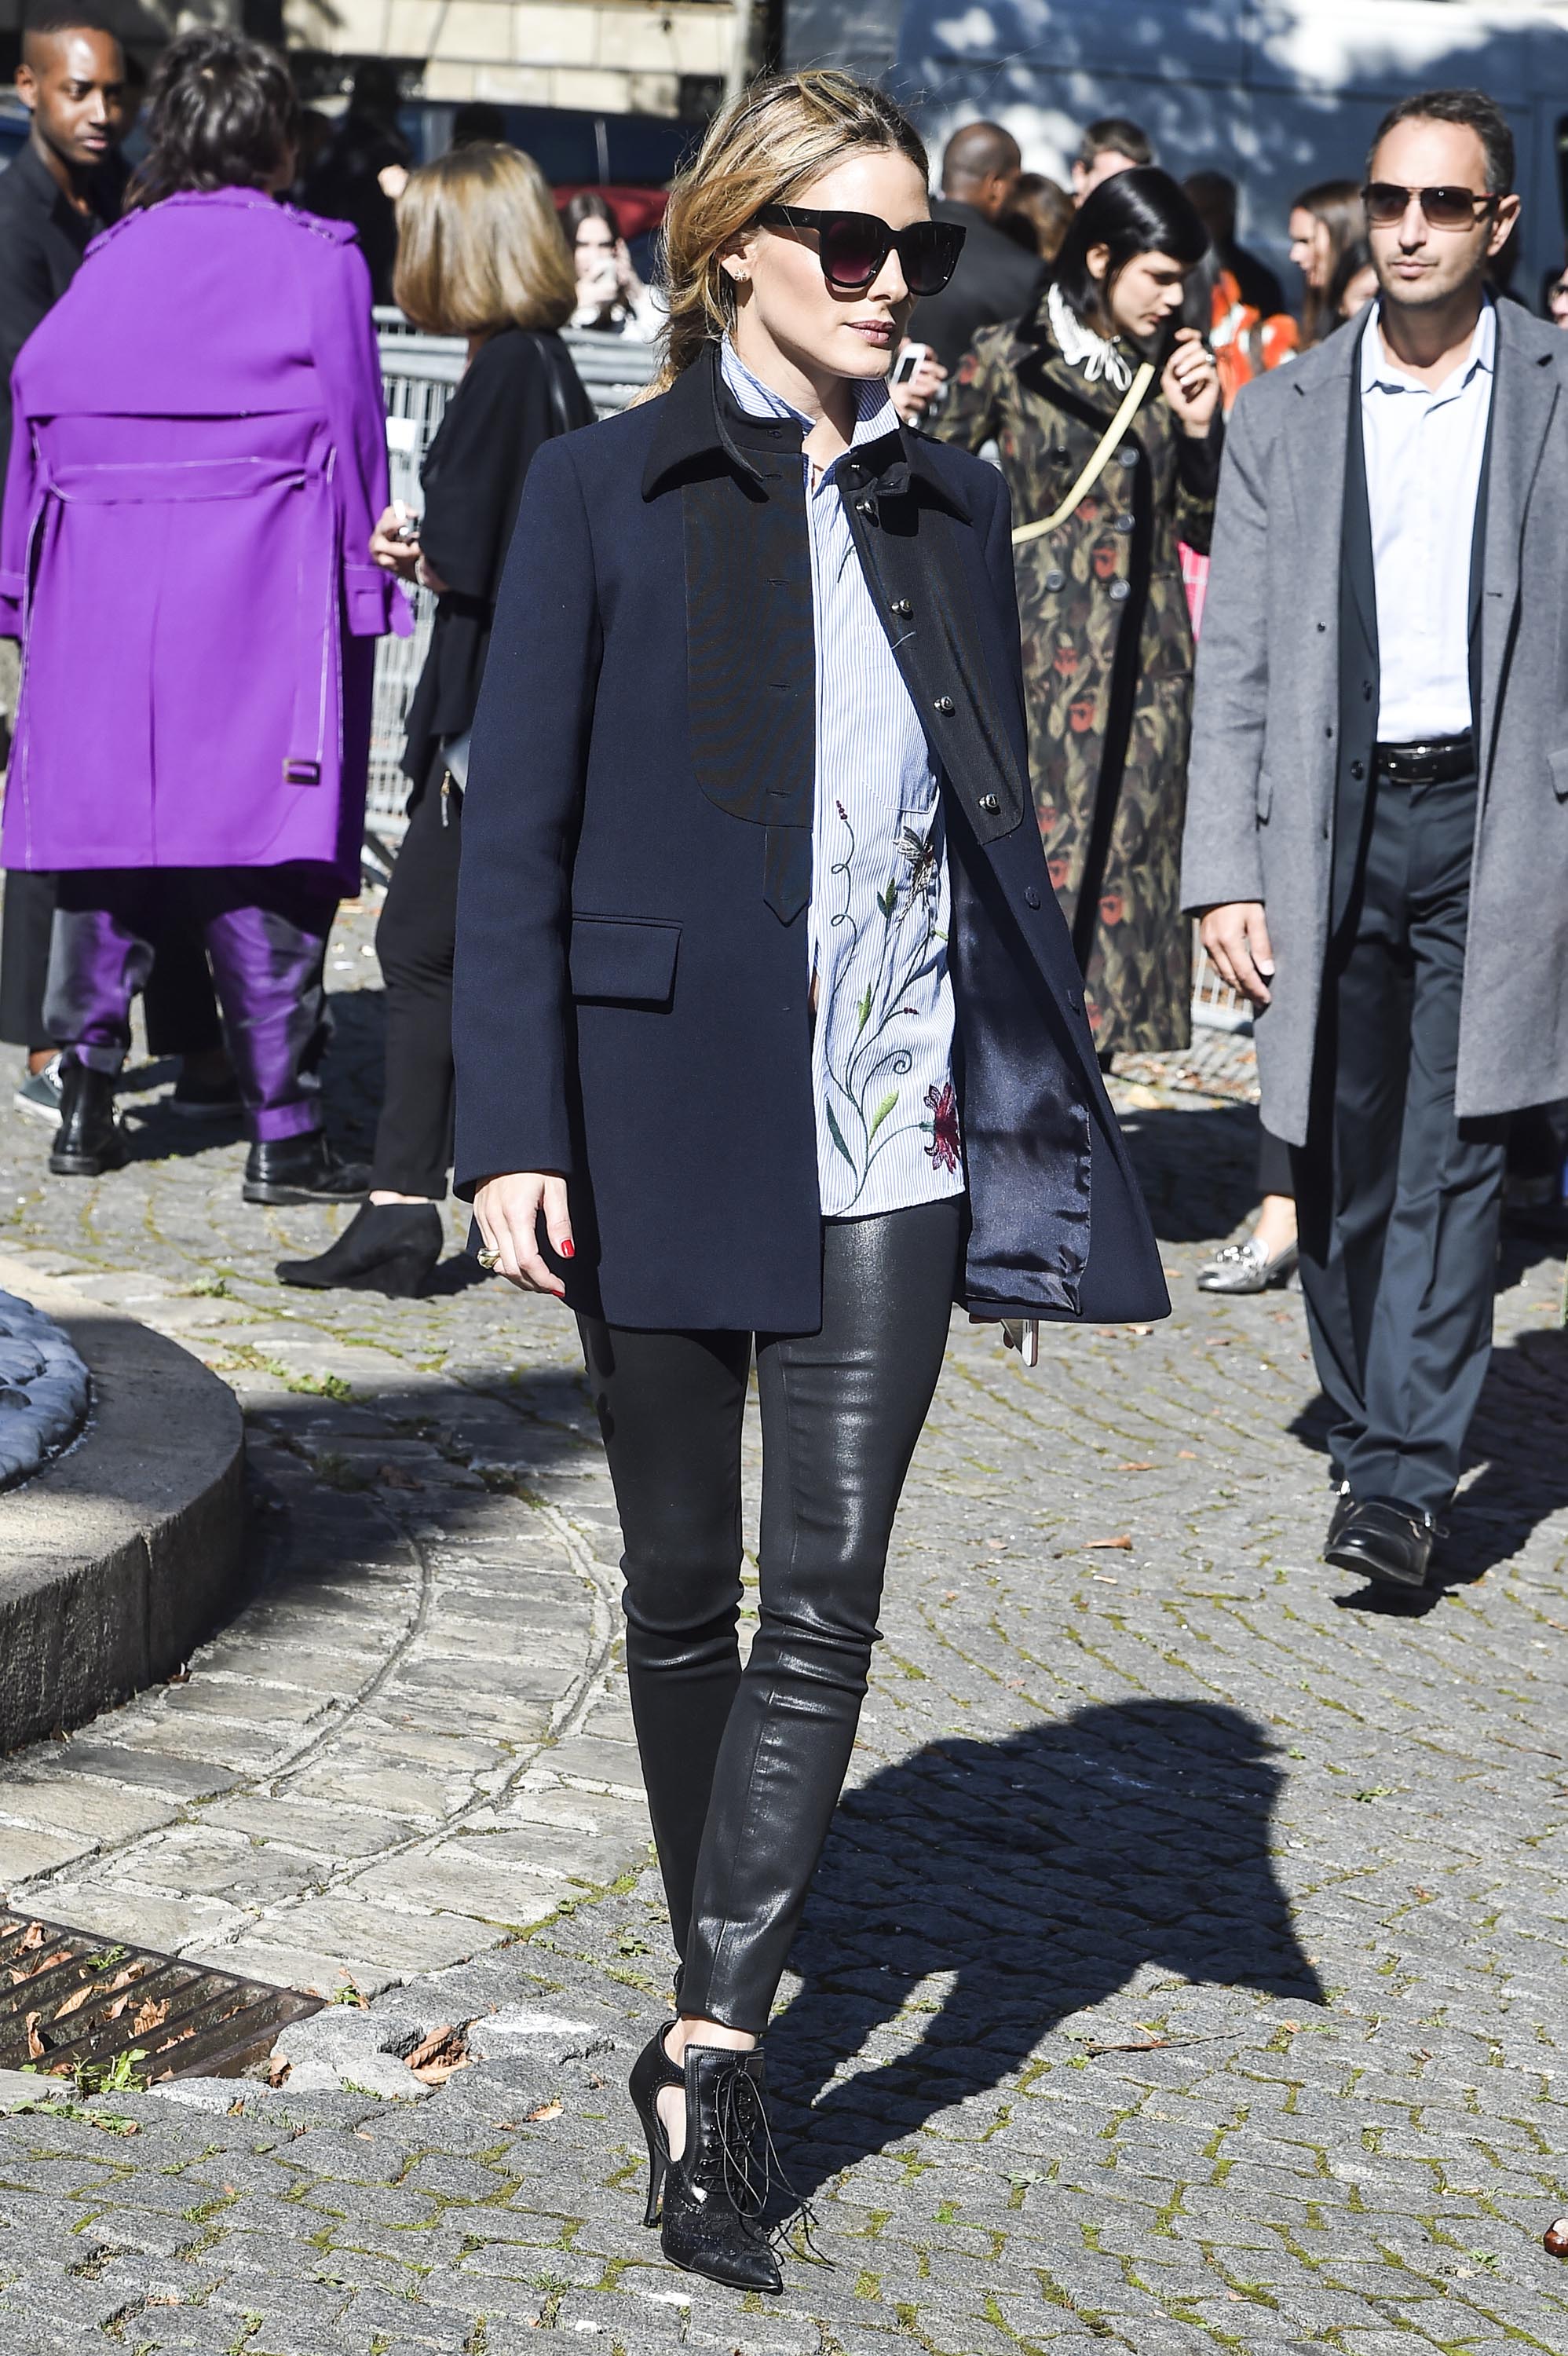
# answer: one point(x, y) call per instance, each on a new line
point(886, 1123)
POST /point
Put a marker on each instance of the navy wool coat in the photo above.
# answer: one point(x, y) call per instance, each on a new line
point(632, 992)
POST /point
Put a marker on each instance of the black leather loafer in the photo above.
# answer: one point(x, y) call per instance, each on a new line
point(1384, 1541)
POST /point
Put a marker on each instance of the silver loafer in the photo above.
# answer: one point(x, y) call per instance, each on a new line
point(1247, 1267)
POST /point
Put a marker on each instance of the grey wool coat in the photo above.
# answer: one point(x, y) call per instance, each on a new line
point(1274, 725)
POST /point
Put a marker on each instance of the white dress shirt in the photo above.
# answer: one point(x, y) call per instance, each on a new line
point(1423, 453)
point(886, 1123)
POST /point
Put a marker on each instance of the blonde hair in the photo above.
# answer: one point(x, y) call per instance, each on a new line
point(764, 148)
point(480, 246)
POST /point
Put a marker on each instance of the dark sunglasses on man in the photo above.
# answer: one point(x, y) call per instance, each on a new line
point(853, 247)
point(1386, 205)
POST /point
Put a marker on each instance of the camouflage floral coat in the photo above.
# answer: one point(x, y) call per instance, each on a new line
point(1107, 660)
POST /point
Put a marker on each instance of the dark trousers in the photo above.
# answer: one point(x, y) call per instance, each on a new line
point(1273, 1164)
point(743, 1769)
point(1399, 1201)
point(265, 931)
point(414, 943)
point(180, 1009)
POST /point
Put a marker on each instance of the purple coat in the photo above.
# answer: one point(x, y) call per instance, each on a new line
point(198, 458)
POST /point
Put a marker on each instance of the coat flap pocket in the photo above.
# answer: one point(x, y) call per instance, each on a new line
point(1558, 765)
point(628, 957)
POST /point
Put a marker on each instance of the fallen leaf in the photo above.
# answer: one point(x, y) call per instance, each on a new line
point(1140, 1329)
point(1189, 1453)
point(74, 2002)
point(150, 2016)
point(1105, 1577)
point(35, 2042)
point(1123, 1545)
point(1137, 1468)
point(435, 2058)
point(548, 2111)
point(33, 1936)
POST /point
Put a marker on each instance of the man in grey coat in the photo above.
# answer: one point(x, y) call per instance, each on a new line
point(1377, 830)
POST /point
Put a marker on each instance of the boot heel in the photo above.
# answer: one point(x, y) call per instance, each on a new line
point(659, 2160)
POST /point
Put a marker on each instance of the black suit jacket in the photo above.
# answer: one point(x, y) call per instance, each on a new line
point(633, 972)
point(996, 280)
point(42, 241)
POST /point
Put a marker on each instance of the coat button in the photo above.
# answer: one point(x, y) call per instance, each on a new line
point(1055, 580)
point(1031, 895)
point(1358, 769)
point(1127, 455)
point(944, 704)
point(989, 802)
point(901, 605)
point(1123, 523)
point(1118, 592)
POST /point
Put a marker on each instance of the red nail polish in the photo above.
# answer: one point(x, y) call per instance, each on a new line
point(569, 1250)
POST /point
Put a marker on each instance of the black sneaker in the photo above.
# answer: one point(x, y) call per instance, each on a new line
point(303, 1170)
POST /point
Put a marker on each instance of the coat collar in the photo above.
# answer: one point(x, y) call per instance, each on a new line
point(694, 424)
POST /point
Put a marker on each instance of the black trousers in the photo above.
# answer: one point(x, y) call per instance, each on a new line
point(743, 1769)
point(414, 943)
point(178, 1002)
point(1398, 1200)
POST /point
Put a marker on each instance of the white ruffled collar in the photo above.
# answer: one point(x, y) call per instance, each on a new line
point(1081, 347)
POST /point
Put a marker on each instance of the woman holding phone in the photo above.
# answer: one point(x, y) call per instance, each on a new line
point(768, 1033)
point(1107, 636)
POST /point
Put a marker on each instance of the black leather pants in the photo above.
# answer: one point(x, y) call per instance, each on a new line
point(743, 1769)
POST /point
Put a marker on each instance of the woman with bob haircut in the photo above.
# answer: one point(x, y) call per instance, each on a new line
point(199, 456)
point(1107, 636)
point(768, 1032)
point(480, 254)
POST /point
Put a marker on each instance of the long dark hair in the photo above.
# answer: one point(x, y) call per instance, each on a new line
point(224, 115)
point(1140, 211)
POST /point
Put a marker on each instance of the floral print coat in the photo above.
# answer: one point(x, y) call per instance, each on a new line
point(1107, 647)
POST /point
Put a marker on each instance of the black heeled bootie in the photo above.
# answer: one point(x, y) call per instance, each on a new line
point(715, 2193)
point(391, 1247)
point(652, 2071)
point(302, 1169)
point(89, 1139)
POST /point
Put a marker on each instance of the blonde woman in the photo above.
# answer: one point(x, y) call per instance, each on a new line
point(769, 1036)
point(481, 254)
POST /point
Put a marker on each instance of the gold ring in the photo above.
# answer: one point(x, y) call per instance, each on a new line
point(489, 1258)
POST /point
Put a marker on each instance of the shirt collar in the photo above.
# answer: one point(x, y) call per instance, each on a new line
point(1386, 375)
point(874, 412)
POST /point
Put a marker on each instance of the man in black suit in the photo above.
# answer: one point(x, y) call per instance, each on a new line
point(996, 278)
point(63, 188)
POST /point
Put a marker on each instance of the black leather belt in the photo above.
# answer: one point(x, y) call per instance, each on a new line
point(1435, 761)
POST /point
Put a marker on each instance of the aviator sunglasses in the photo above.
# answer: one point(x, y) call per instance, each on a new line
point(1444, 207)
point(853, 247)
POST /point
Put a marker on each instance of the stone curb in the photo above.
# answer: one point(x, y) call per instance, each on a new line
point(122, 1554)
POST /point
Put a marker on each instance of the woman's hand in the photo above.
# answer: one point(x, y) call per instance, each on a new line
point(1191, 384)
point(509, 1210)
point(390, 552)
point(913, 398)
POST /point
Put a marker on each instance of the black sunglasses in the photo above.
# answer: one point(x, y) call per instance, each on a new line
point(1444, 207)
point(853, 247)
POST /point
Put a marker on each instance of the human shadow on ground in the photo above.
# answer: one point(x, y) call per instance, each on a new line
point(1041, 1870)
point(1197, 1170)
point(1516, 1438)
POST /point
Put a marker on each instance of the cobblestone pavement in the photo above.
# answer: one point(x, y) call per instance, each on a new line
point(1186, 1970)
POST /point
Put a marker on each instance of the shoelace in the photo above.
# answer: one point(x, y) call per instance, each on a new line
point(738, 2115)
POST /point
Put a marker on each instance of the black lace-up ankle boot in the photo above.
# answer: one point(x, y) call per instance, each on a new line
point(715, 2193)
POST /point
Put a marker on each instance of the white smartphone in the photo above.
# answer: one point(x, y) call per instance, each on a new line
point(1022, 1335)
point(908, 361)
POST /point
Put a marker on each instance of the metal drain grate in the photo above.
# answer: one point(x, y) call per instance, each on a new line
point(72, 2004)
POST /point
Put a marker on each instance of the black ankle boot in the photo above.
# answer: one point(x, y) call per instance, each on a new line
point(391, 1247)
point(714, 2194)
point(302, 1169)
point(89, 1139)
point(652, 2071)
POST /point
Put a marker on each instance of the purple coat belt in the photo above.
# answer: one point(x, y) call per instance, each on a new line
point(199, 458)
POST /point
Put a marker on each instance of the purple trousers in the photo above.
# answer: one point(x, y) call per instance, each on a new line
point(265, 932)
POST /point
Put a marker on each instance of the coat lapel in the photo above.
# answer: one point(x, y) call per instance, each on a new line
point(1524, 395)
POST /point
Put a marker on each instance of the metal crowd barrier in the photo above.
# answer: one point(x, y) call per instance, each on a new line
point(418, 376)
